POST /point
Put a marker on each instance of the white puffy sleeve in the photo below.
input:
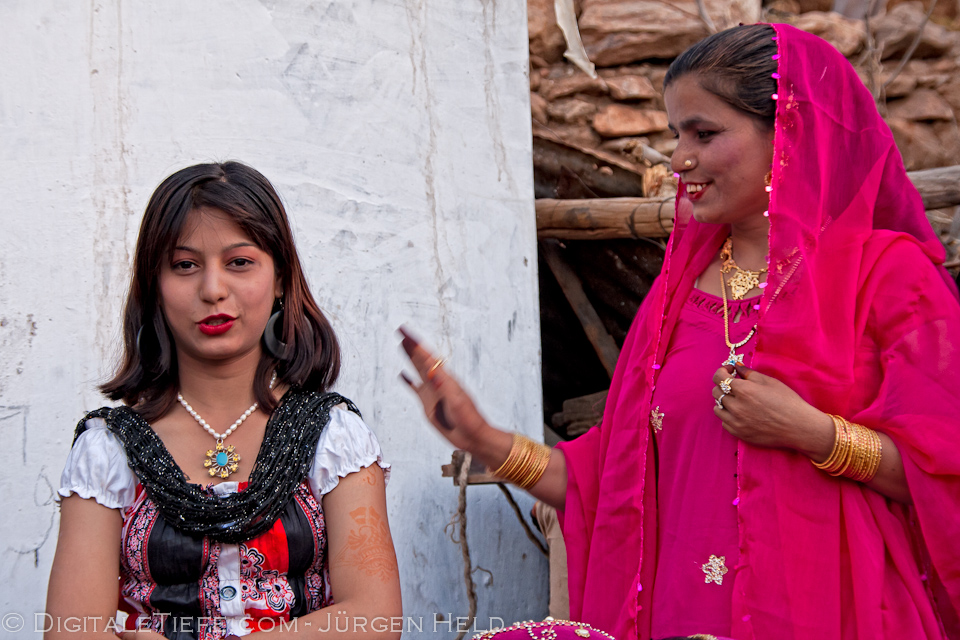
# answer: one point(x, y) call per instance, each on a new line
point(97, 468)
point(346, 445)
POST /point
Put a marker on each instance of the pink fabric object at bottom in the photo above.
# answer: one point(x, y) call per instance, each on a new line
point(860, 319)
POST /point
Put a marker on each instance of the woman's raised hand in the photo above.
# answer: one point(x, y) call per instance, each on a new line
point(445, 403)
point(765, 412)
point(455, 416)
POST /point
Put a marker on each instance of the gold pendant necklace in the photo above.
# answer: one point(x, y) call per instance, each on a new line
point(223, 460)
point(734, 358)
point(744, 280)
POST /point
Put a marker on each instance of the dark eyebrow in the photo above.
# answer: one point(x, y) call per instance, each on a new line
point(235, 245)
point(692, 122)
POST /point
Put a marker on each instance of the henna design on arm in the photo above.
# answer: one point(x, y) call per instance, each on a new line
point(369, 547)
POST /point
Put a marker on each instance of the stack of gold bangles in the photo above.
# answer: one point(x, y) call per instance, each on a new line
point(526, 463)
point(856, 453)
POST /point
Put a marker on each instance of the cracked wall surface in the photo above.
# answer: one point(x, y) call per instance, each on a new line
point(397, 133)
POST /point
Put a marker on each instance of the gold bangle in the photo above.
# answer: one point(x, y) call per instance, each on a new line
point(869, 454)
point(526, 462)
point(857, 452)
point(509, 467)
point(539, 459)
point(872, 454)
point(851, 447)
point(865, 453)
point(827, 464)
point(534, 464)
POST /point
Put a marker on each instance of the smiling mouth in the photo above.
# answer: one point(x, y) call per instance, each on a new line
point(694, 188)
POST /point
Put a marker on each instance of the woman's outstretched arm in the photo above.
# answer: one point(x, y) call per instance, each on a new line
point(452, 411)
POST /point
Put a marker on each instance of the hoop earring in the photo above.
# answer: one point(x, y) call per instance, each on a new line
point(139, 344)
point(277, 348)
point(156, 363)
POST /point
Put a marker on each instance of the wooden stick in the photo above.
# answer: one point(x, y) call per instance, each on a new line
point(604, 218)
point(939, 187)
point(610, 218)
point(603, 343)
point(702, 8)
point(477, 474)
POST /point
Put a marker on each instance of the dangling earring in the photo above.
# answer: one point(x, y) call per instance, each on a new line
point(768, 179)
point(277, 348)
point(139, 344)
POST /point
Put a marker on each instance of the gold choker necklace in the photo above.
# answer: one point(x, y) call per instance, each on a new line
point(743, 281)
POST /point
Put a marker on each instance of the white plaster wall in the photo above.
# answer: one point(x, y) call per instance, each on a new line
point(397, 132)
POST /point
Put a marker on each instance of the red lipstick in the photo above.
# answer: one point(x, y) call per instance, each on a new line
point(216, 325)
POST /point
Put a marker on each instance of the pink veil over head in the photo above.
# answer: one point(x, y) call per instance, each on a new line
point(853, 264)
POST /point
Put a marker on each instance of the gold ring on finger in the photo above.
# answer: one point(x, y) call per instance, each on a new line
point(725, 386)
point(433, 368)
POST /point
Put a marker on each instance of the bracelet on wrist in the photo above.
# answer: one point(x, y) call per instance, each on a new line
point(856, 453)
point(526, 463)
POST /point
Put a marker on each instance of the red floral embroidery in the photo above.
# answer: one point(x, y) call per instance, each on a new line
point(316, 575)
point(213, 627)
point(138, 584)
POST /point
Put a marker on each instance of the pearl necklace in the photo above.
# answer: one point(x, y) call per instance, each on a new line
point(223, 460)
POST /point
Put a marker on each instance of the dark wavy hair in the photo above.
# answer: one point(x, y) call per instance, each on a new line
point(147, 378)
point(737, 66)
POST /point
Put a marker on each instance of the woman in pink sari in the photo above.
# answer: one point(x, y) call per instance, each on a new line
point(802, 260)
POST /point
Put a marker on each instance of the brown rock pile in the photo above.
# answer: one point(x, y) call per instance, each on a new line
point(633, 41)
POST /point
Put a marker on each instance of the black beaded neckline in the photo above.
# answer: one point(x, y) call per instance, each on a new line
point(284, 460)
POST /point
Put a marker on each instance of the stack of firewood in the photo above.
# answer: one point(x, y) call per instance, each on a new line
point(633, 41)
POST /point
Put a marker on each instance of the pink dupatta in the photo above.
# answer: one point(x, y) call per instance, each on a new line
point(851, 256)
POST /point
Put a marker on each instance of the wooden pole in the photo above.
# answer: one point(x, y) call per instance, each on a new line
point(603, 343)
point(609, 218)
point(939, 188)
point(604, 218)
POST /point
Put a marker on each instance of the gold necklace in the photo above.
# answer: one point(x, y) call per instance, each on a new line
point(733, 359)
point(744, 280)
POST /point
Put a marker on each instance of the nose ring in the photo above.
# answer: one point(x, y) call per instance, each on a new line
point(688, 163)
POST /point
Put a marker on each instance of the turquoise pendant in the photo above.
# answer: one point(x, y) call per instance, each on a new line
point(222, 461)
